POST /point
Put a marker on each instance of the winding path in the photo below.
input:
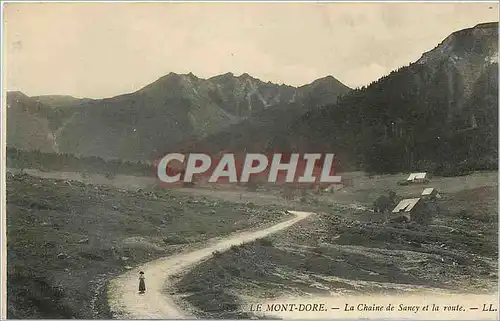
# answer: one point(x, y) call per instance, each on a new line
point(126, 303)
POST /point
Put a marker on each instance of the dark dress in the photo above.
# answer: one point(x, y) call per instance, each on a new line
point(142, 284)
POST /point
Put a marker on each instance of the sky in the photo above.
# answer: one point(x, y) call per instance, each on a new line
point(99, 50)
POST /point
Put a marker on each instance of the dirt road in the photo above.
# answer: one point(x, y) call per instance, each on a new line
point(125, 301)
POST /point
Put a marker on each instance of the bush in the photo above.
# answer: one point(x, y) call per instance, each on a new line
point(110, 175)
point(250, 204)
point(174, 239)
point(264, 242)
point(450, 170)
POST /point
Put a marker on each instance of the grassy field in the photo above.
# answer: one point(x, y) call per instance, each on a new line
point(66, 238)
point(348, 251)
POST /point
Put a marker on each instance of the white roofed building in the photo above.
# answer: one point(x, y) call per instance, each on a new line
point(406, 205)
point(430, 193)
point(414, 209)
point(417, 177)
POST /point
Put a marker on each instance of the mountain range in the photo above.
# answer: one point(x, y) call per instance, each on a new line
point(439, 111)
point(141, 125)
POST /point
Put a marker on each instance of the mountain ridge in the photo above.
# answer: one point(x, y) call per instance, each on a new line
point(134, 126)
point(447, 99)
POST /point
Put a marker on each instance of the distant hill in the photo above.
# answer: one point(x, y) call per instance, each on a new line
point(141, 125)
point(59, 101)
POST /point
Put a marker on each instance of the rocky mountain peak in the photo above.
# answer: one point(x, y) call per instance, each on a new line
point(471, 43)
point(465, 54)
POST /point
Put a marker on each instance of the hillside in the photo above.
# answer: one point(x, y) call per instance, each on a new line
point(258, 132)
point(66, 239)
point(143, 124)
point(436, 114)
point(29, 123)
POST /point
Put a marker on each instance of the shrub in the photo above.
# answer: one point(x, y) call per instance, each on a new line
point(264, 242)
point(110, 175)
point(450, 170)
point(174, 239)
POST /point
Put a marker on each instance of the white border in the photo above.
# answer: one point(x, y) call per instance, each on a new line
point(3, 274)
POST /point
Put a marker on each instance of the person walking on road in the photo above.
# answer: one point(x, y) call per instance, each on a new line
point(142, 284)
